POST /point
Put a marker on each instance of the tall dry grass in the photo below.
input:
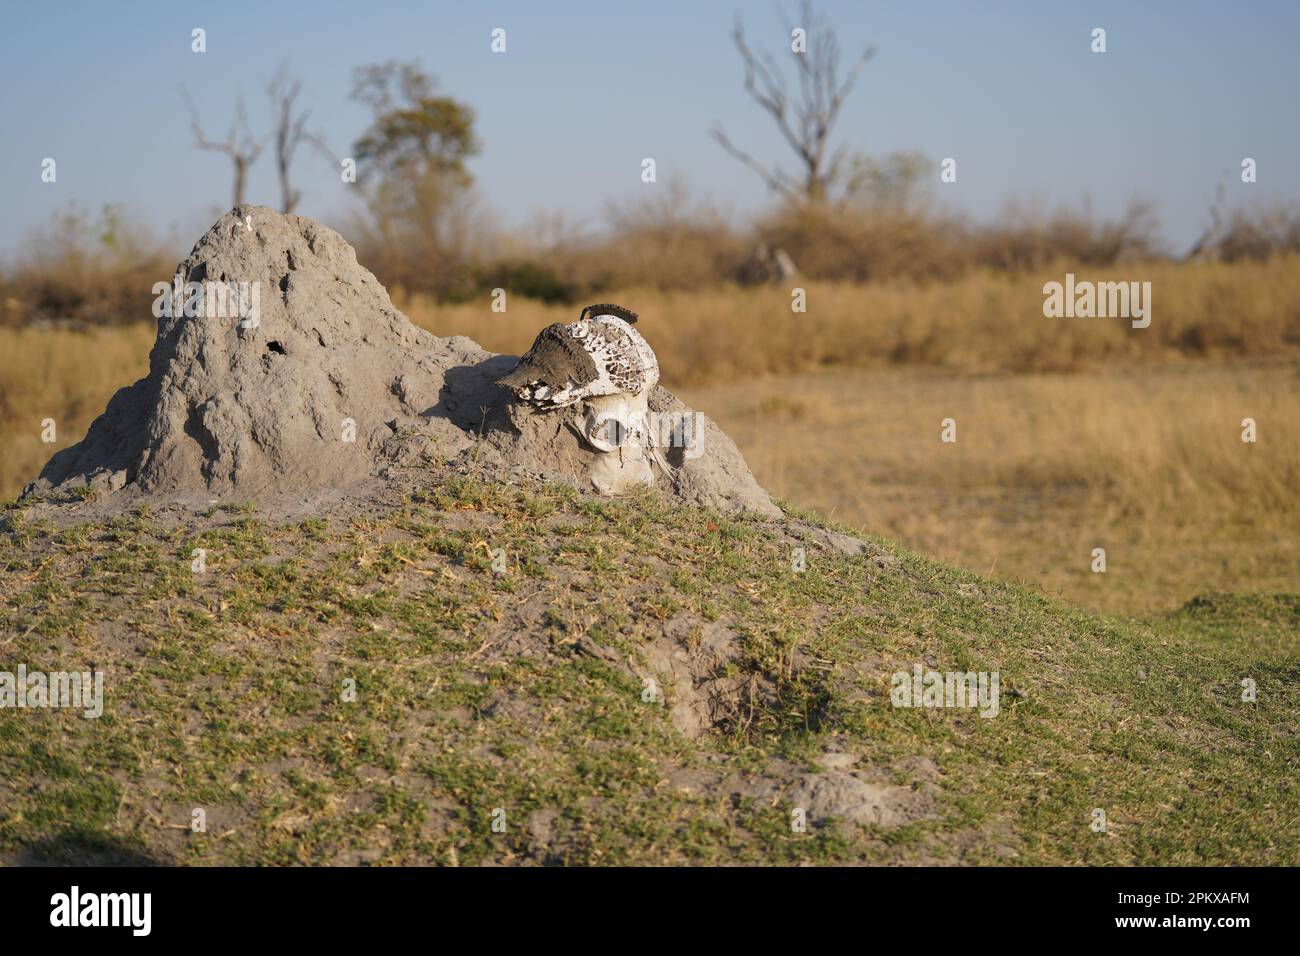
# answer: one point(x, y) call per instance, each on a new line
point(986, 322)
point(982, 322)
point(1146, 462)
point(65, 375)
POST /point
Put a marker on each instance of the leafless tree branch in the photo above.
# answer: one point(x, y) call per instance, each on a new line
point(239, 145)
point(805, 116)
point(289, 132)
point(775, 179)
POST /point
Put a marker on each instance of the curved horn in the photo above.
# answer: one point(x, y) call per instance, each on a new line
point(609, 308)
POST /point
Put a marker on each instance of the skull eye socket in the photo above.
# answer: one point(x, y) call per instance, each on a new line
point(616, 432)
point(611, 431)
point(608, 433)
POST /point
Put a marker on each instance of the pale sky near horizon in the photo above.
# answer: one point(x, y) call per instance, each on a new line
point(587, 89)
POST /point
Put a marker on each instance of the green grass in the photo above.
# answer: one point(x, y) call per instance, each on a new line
point(483, 696)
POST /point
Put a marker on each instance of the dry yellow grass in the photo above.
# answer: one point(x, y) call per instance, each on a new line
point(64, 375)
point(1147, 463)
point(983, 322)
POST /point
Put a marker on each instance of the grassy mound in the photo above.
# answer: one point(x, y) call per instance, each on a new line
point(640, 684)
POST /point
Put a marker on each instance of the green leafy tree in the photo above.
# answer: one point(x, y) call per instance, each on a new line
point(422, 219)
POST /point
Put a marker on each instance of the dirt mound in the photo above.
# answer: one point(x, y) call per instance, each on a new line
point(281, 368)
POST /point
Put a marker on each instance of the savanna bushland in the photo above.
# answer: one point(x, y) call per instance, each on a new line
point(1073, 431)
point(836, 380)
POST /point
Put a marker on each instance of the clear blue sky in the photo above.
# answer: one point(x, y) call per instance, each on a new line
point(587, 89)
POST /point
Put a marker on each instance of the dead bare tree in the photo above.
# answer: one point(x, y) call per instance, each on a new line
point(240, 144)
point(290, 131)
point(288, 127)
point(806, 120)
point(1206, 245)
